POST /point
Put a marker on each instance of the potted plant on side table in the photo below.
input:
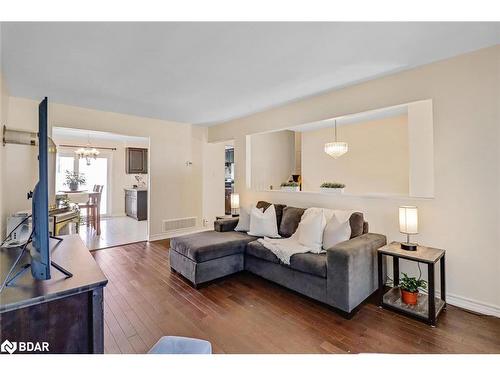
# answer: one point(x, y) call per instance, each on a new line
point(332, 187)
point(73, 180)
point(409, 287)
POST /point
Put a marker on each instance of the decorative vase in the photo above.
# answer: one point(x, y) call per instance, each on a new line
point(73, 186)
point(290, 188)
point(410, 298)
point(332, 190)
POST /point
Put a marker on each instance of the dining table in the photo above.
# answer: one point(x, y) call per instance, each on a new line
point(83, 197)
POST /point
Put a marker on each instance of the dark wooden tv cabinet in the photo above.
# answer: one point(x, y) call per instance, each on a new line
point(66, 313)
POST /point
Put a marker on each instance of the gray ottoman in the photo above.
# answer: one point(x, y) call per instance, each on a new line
point(205, 256)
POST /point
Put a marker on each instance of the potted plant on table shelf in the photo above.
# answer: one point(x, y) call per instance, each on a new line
point(332, 187)
point(409, 287)
point(73, 180)
point(290, 186)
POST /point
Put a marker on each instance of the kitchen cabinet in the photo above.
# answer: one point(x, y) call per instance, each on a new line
point(136, 204)
point(136, 160)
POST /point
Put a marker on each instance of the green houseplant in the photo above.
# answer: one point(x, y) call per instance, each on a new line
point(332, 187)
point(73, 180)
point(409, 287)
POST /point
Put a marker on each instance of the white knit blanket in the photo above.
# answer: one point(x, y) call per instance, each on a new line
point(285, 248)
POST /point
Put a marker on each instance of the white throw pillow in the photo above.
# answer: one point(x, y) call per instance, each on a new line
point(244, 219)
point(263, 224)
point(336, 231)
point(310, 230)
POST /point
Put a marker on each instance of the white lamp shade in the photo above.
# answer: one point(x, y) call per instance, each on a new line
point(235, 201)
point(408, 219)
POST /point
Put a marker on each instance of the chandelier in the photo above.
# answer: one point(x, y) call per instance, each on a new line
point(336, 149)
point(87, 153)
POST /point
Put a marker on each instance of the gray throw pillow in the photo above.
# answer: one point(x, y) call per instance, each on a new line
point(290, 220)
point(357, 221)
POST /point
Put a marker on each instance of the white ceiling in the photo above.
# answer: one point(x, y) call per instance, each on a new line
point(204, 73)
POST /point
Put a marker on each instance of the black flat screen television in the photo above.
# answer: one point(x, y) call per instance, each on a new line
point(43, 193)
point(40, 251)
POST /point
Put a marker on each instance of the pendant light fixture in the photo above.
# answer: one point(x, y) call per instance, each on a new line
point(87, 153)
point(336, 149)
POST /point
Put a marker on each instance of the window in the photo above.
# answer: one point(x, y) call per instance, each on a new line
point(64, 163)
point(95, 174)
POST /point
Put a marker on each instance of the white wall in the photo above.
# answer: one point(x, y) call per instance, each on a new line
point(463, 218)
point(118, 178)
point(20, 172)
point(421, 149)
point(175, 190)
point(298, 153)
point(213, 181)
point(272, 159)
point(377, 161)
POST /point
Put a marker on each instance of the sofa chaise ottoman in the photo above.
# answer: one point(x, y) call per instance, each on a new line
point(342, 277)
point(205, 256)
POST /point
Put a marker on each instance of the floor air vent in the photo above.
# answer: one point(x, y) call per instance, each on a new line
point(179, 224)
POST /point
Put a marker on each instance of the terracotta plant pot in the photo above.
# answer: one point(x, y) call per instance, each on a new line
point(410, 298)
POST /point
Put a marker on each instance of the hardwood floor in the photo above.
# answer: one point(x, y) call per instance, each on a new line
point(243, 313)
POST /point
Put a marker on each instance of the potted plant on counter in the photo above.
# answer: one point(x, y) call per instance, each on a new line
point(290, 186)
point(409, 287)
point(332, 187)
point(73, 180)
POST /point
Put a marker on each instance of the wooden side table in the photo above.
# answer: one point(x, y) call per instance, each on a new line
point(428, 307)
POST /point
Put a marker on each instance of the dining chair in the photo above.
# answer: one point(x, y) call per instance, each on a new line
point(97, 208)
point(93, 208)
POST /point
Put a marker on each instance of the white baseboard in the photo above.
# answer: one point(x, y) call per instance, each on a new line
point(472, 305)
point(171, 234)
point(469, 304)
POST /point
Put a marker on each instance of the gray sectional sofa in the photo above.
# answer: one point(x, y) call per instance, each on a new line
point(343, 277)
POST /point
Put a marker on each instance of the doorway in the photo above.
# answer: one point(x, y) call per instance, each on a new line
point(107, 169)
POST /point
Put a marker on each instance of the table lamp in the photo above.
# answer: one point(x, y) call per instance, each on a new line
point(235, 204)
point(408, 224)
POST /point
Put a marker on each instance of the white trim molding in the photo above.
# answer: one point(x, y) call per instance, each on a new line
point(472, 305)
